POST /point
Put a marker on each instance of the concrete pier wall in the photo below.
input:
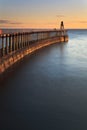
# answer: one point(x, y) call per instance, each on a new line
point(8, 60)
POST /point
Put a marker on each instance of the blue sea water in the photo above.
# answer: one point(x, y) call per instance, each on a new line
point(48, 89)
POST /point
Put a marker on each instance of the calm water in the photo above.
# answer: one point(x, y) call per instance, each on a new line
point(48, 89)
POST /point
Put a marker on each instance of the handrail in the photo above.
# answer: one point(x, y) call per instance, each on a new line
point(12, 42)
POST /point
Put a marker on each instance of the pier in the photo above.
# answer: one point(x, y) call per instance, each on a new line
point(15, 46)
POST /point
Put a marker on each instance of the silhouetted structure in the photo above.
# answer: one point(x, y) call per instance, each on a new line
point(62, 26)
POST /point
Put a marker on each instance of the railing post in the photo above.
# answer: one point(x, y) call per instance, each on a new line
point(24, 39)
point(48, 35)
point(14, 42)
point(27, 38)
point(17, 41)
point(37, 36)
point(42, 36)
point(59, 33)
point(16, 46)
point(7, 44)
point(10, 43)
point(3, 49)
point(45, 35)
point(18, 38)
point(56, 33)
point(21, 40)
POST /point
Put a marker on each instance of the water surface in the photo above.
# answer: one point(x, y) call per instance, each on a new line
point(48, 89)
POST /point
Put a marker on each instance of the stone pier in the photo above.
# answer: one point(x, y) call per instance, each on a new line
point(15, 46)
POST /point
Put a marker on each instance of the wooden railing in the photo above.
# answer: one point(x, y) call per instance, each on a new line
point(15, 41)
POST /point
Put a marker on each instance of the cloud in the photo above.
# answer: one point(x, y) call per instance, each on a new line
point(4, 21)
point(9, 22)
point(16, 23)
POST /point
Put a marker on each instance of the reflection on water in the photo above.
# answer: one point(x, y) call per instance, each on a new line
point(48, 89)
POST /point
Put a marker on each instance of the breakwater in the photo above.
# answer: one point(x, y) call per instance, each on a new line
point(15, 46)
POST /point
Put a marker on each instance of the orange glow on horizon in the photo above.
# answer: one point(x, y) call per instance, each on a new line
point(43, 14)
point(47, 25)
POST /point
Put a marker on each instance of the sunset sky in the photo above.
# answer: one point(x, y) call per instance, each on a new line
point(43, 13)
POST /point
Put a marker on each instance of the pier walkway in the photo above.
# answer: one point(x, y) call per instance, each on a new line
point(15, 46)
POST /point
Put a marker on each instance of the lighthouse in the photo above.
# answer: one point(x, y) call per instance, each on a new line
point(62, 26)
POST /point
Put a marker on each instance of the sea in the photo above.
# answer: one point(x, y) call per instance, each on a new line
point(47, 90)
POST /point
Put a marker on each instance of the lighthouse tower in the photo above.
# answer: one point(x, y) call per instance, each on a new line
point(62, 26)
point(63, 32)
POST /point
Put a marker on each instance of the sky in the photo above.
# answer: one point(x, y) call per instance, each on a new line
point(43, 13)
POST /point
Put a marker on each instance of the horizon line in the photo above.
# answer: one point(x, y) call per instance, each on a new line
point(41, 28)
